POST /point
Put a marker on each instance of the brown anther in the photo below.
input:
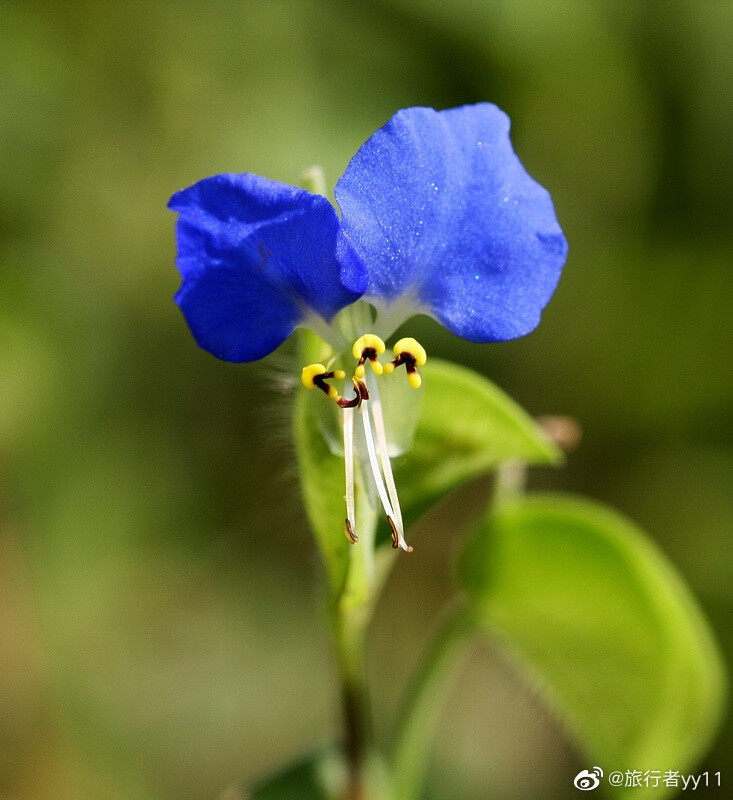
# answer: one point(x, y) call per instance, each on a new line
point(349, 531)
point(395, 538)
point(395, 535)
point(360, 395)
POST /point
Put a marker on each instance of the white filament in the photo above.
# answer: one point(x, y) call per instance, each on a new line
point(384, 459)
point(378, 480)
point(349, 465)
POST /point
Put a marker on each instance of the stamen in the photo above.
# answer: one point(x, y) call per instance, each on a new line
point(378, 480)
point(349, 531)
point(350, 523)
point(395, 535)
point(412, 354)
point(398, 536)
point(398, 540)
point(360, 395)
point(367, 348)
point(314, 376)
point(397, 524)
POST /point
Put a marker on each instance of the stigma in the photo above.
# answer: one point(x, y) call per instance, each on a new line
point(367, 404)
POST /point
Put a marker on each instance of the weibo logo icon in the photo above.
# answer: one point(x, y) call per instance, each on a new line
point(587, 779)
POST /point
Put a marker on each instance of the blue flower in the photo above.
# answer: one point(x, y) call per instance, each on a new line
point(258, 258)
point(449, 223)
point(438, 217)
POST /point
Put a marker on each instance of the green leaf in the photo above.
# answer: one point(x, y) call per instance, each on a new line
point(467, 427)
point(319, 777)
point(594, 614)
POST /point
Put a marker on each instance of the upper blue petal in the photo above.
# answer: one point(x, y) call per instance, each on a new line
point(444, 215)
point(256, 258)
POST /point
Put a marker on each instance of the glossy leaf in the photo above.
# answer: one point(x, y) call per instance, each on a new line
point(604, 626)
point(467, 427)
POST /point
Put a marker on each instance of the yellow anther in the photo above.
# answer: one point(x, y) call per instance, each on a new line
point(314, 376)
point(368, 341)
point(376, 366)
point(410, 347)
point(367, 348)
point(310, 373)
point(412, 354)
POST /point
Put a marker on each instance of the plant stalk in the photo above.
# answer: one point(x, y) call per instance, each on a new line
point(349, 631)
point(351, 615)
point(421, 709)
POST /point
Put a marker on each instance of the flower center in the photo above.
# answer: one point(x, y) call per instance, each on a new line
point(368, 348)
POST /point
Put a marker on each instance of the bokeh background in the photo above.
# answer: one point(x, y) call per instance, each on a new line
point(160, 598)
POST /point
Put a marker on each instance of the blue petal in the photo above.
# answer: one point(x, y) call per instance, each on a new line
point(446, 218)
point(257, 257)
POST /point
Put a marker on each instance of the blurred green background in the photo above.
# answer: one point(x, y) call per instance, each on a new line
point(162, 634)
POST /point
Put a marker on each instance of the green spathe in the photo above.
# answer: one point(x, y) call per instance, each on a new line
point(467, 427)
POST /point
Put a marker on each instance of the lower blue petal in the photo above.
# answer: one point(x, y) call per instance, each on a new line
point(235, 315)
point(257, 258)
point(444, 215)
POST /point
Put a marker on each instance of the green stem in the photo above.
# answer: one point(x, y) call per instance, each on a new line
point(351, 615)
point(510, 483)
point(349, 627)
point(422, 707)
